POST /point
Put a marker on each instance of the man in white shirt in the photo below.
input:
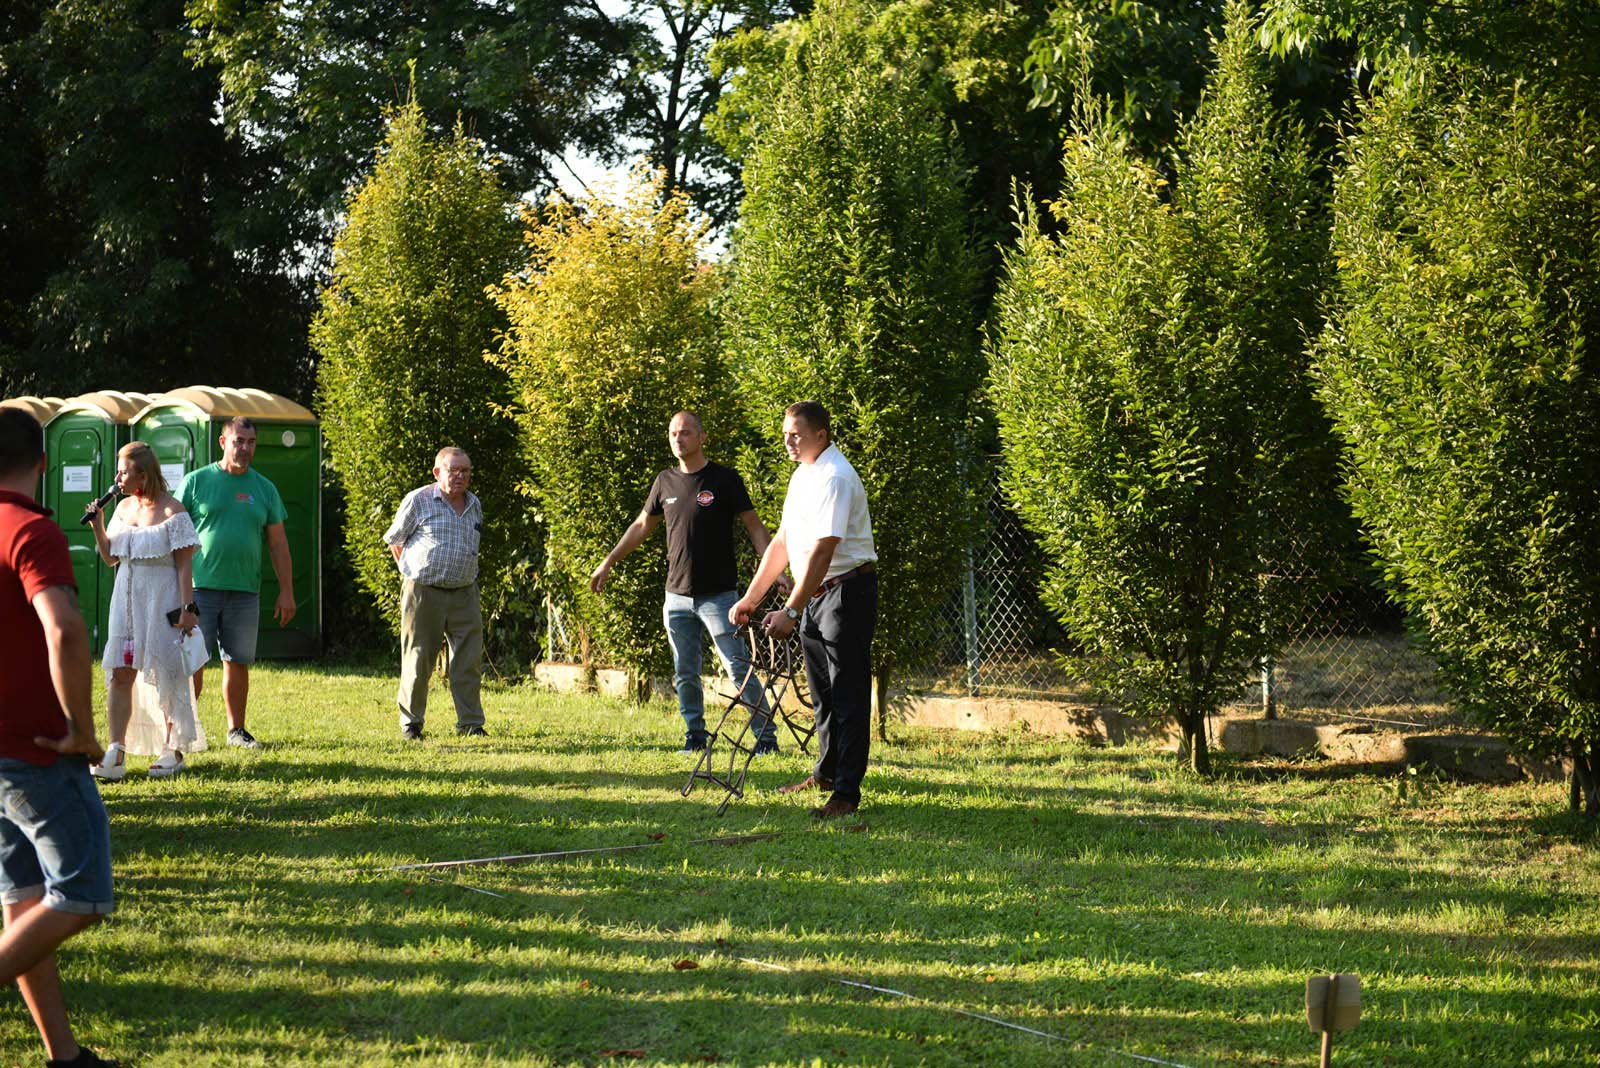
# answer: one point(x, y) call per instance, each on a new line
point(826, 540)
point(434, 539)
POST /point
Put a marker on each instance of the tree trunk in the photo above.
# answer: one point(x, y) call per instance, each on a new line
point(1193, 725)
point(1585, 795)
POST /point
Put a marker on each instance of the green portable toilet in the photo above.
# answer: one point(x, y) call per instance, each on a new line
point(182, 428)
point(82, 439)
point(41, 408)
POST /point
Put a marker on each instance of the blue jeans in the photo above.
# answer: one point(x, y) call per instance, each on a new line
point(230, 620)
point(685, 617)
point(55, 842)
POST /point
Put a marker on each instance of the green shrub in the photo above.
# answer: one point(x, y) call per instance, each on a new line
point(401, 335)
point(611, 331)
point(1159, 429)
point(854, 285)
point(1461, 370)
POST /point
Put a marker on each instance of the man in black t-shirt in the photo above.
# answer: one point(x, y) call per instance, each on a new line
point(700, 501)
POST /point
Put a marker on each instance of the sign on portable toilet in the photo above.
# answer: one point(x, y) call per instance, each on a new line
point(183, 428)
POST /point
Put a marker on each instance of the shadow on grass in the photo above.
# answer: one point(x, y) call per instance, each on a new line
point(1121, 904)
point(601, 981)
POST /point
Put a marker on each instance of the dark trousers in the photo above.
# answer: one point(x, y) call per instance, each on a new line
point(836, 638)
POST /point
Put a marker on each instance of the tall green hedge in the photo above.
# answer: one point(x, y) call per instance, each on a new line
point(401, 334)
point(1462, 370)
point(612, 329)
point(1158, 424)
point(854, 285)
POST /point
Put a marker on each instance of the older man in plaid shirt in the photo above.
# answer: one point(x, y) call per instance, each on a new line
point(434, 538)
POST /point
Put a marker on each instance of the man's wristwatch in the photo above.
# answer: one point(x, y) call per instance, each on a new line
point(192, 608)
point(794, 616)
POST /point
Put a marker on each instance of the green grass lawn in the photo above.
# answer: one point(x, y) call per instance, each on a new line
point(1099, 895)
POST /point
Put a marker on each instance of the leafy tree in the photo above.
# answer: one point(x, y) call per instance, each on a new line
point(854, 284)
point(139, 253)
point(612, 329)
point(1389, 34)
point(668, 87)
point(401, 334)
point(966, 54)
point(311, 81)
point(1148, 58)
point(1158, 424)
point(1461, 370)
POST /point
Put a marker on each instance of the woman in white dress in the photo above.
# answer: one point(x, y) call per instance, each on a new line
point(151, 543)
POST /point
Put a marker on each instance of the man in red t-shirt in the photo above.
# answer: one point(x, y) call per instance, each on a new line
point(55, 842)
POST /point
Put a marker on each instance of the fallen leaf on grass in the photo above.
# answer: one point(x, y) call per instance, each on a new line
point(684, 965)
point(636, 1054)
point(656, 837)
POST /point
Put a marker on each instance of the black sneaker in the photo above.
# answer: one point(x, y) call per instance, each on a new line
point(242, 739)
point(411, 732)
point(86, 1058)
point(474, 731)
point(692, 745)
point(765, 748)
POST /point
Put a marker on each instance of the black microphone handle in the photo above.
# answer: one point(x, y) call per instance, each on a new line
point(88, 517)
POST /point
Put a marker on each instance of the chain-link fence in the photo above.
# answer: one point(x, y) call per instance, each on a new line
point(1350, 655)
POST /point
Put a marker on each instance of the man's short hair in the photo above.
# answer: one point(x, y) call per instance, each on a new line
point(813, 414)
point(238, 422)
point(687, 414)
point(450, 450)
point(21, 441)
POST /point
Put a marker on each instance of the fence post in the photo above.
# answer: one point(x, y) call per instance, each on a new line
point(550, 625)
point(1269, 690)
point(969, 624)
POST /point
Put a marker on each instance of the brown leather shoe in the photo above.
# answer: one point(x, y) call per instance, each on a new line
point(834, 808)
point(810, 782)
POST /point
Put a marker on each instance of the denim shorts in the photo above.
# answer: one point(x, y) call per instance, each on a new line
point(230, 619)
point(55, 841)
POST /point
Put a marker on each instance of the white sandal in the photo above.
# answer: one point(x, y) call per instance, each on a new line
point(168, 764)
point(113, 765)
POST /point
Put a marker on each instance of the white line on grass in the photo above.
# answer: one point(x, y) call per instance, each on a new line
point(960, 1012)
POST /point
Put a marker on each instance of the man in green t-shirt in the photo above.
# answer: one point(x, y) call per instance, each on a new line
point(232, 508)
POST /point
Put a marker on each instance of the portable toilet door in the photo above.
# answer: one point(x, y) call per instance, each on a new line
point(119, 409)
point(289, 453)
point(42, 409)
point(81, 443)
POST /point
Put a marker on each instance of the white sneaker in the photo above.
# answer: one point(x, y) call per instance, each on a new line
point(168, 764)
point(113, 766)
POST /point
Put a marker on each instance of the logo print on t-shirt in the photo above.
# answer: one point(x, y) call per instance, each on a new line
point(704, 498)
point(243, 498)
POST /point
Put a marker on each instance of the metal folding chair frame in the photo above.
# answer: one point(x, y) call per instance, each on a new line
point(778, 667)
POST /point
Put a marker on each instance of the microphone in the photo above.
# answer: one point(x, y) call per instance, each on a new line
point(88, 517)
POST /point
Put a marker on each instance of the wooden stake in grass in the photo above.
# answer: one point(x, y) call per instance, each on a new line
point(1333, 1003)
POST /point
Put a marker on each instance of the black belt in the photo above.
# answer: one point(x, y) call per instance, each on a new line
point(837, 580)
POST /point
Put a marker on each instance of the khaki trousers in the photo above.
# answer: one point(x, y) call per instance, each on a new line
point(429, 615)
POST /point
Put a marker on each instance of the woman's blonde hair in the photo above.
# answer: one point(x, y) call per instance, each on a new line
point(144, 459)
